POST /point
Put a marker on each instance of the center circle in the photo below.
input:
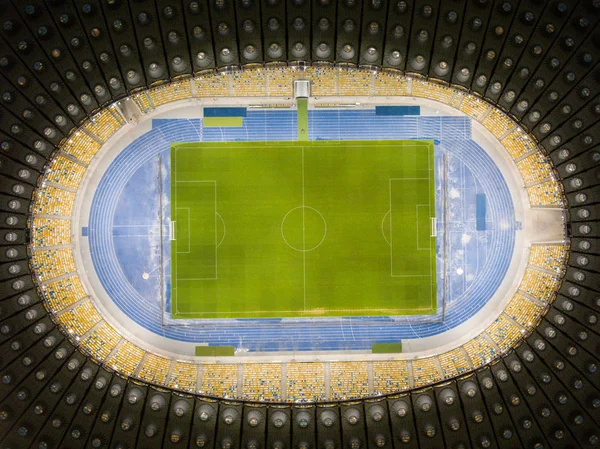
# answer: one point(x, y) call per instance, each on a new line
point(303, 228)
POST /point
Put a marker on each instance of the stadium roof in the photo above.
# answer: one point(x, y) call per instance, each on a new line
point(61, 61)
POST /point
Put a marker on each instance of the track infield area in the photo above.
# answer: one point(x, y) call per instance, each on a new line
point(302, 229)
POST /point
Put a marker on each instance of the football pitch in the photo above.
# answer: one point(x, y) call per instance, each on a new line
point(302, 229)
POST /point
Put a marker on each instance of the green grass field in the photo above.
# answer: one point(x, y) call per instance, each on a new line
point(302, 229)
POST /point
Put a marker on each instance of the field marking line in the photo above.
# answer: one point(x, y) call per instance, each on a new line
point(417, 207)
point(197, 279)
point(432, 254)
point(382, 227)
point(391, 238)
point(303, 208)
point(154, 225)
point(411, 276)
point(224, 228)
point(189, 226)
point(361, 144)
point(216, 238)
point(174, 289)
point(132, 236)
point(387, 312)
point(304, 236)
point(157, 267)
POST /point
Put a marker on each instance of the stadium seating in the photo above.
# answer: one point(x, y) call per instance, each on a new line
point(517, 143)
point(390, 376)
point(184, 376)
point(324, 81)
point(546, 194)
point(50, 200)
point(249, 83)
point(539, 284)
point(208, 86)
point(126, 358)
point(433, 91)
point(456, 101)
point(388, 84)
point(81, 146)
point(504, 333)
point(348, 380)
point(425, 371)
point(51, 263)
point(63, 293)
point(219, 380)
point(480, 350)
point(453, 363)
point(154, 369)
point(549, 257)
point(498, 123)
point(65, 172)
point(305, 381)
point(534, 167)
point(262, 381)
point(355, 83)
point(524, 311)
point(168, 93)
point(80, 319)
point(101, 341)
point(279, 82)
point(142, 100)
point(104, 124)
point(50, 232)
point(474, 107)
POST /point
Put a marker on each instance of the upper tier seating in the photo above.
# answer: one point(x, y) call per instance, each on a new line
point(306, 381)
point(262, 381)
point(50, 200)
point(105, 123)
point(81, 146)
point(539, 284)
point(348, 380)
point(219, 380)
point(51, 263)
point(154, 369)
point(454, 363)
point(390, 376)
point(549, 257)
point(184, 376)
point(65, 172)
point(546, 194)
point(101, 341)
point(425, 371)
point(50, 232)
point(64, 292)
point(126, 358)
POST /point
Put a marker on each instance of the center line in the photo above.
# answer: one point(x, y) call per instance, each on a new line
point(303, 235)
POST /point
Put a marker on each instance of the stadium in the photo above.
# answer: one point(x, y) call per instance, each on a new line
point(299, 224)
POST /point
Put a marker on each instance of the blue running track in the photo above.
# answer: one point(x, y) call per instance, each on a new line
point(130, 211)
